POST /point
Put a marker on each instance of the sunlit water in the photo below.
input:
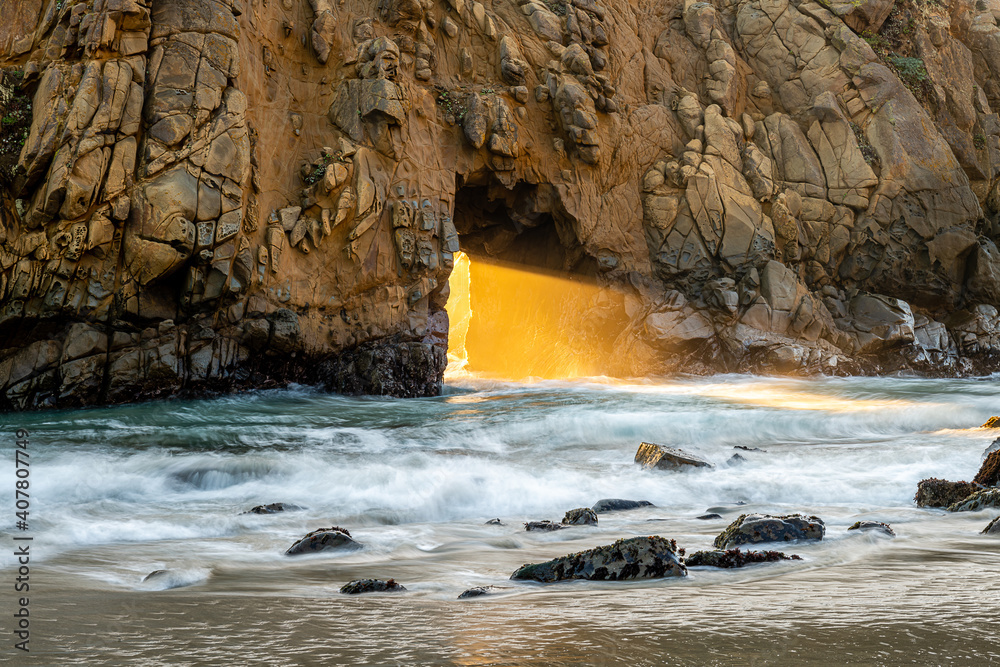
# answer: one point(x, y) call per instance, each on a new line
point(120, 492)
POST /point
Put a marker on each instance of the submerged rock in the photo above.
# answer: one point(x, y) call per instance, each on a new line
point(989, 472)
point(735, 558)
point(709, 516)
point(156, 574)
point(992, 528)
point(935, 492)
point(878, 526)
point(735, 459)
point(619, 505)
point(583, 516)
point(977, 501)
point(755, 528)
point(479, 591)
point(273, 508)
point(750, 449)
point(543, 525)
point(324, 539)
point(494, 522)
point(650, 455)
point(992, 422)
point(632, 558)
point(359, 586)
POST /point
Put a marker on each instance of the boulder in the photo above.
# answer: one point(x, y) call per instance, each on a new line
point(544, 526)
point(324, 539)
point(359, 586)
point(989, 472)
point(619, 505)
point(935, 492)
point(583, 516)
point(977, 501)
point(479, 591)
point(877, 526)
point(709, 517)
point(992, 528)
point(756, 528)
point(735, 558)
point(992, 422)
point(667, 458)
point(494, 522)
point(273, 508)
point(632, 558)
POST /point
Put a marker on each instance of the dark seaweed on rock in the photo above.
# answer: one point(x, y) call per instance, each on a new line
point(989, 472)
point(633, 558)
point(935, 492)
point(735, 558)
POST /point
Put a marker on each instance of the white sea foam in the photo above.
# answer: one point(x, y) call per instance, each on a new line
point(176, 473)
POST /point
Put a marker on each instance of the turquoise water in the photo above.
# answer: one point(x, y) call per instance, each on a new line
point(120, 492)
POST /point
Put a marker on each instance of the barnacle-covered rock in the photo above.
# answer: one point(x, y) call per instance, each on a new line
point(989, 472)
point(757, 528)
point(632, 558)
point(935, 492)
point(324, 539)
point(979, 500)
point(583, 516)
point(735, 558)
point(359, 586)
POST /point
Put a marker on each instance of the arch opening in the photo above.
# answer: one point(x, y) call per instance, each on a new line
point(525, 300)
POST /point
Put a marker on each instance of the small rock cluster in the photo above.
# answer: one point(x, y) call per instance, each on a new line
point(983, 492)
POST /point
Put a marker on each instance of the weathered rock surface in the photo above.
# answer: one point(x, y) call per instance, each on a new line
point(359, 586)
point(203, 195)
point(273, 508)
point(992, 528)
point(619, 505)
point(667, 458)
point(583, 516)
point(480, 591)
point(757, 528)
point(632, 558)
point(877, 526)
point(935, 492)
point(992, 422)
point(979, 500)
point(324, 539)
point(543, 526)
point(735, 558)
point(989, 472)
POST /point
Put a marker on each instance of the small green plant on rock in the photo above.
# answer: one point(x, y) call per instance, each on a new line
point(979, 140)
point(15, 122)
point(912, 73)
point(867, 150)
point(452, 104)
point(319, 170)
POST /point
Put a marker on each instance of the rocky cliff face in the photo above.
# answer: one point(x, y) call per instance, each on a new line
point(211, 194)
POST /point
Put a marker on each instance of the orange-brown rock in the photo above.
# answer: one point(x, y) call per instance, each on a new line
point(202, 195)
